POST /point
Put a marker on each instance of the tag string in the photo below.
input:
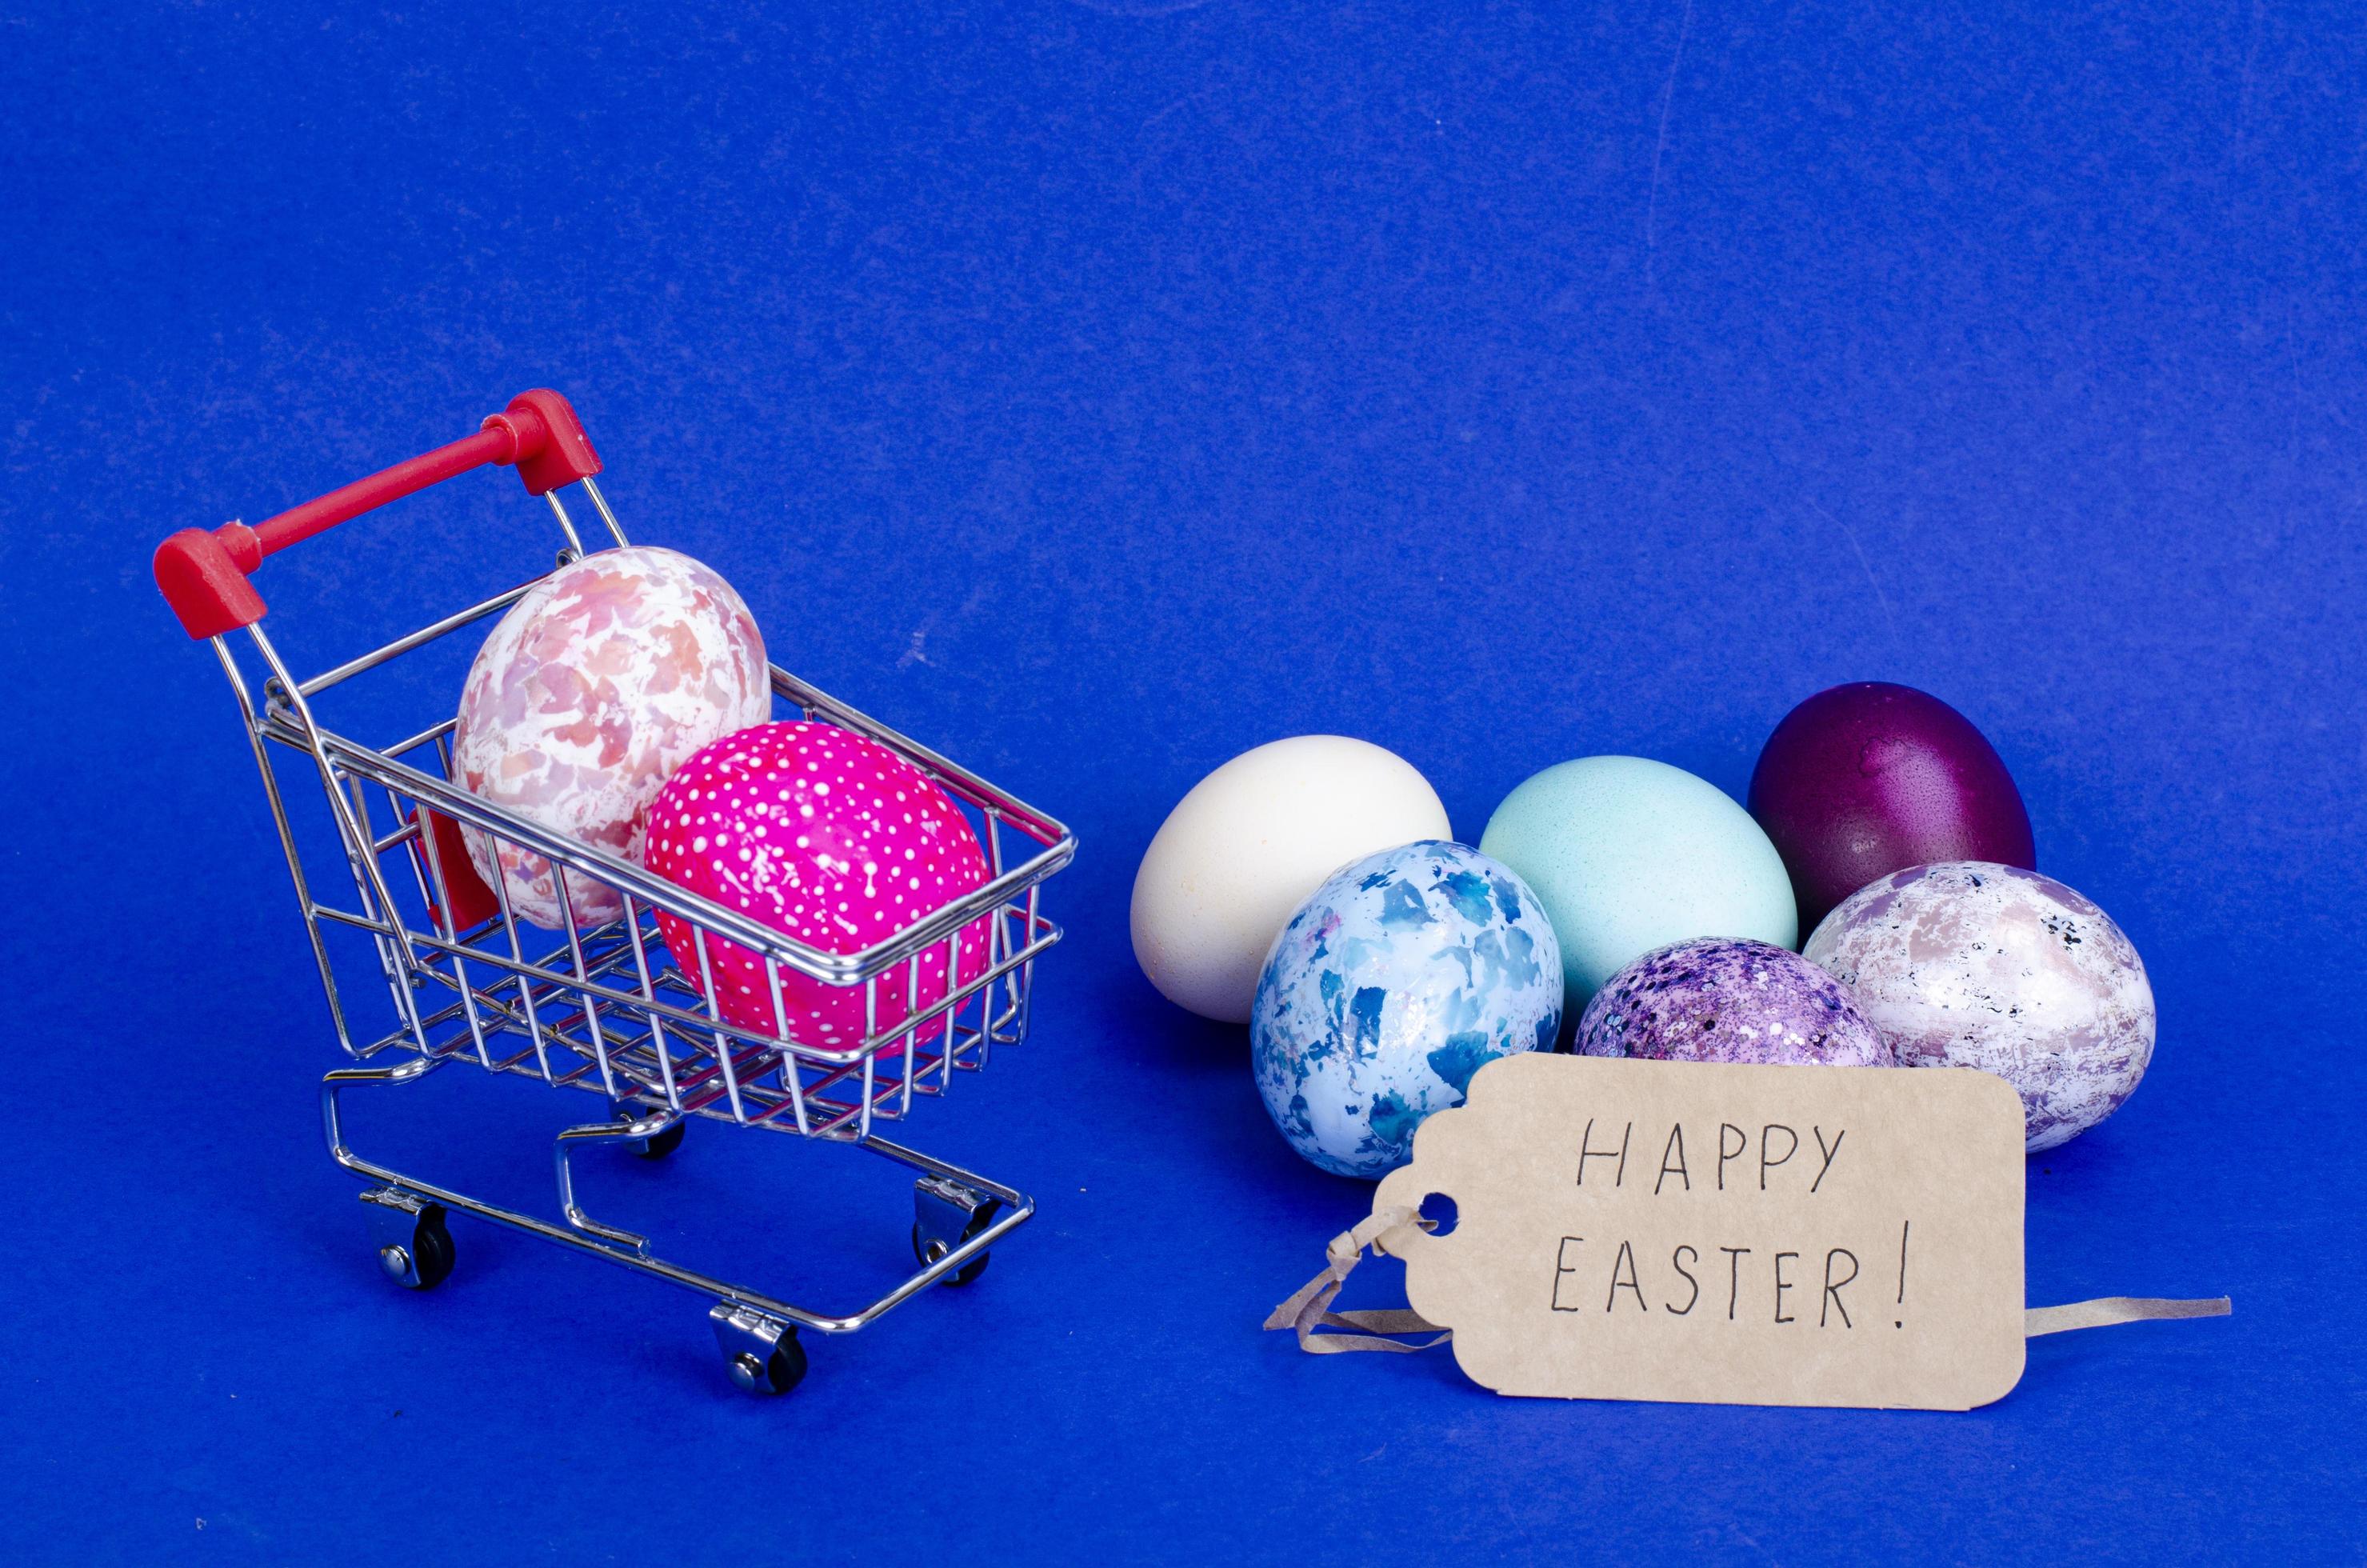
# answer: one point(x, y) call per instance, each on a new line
point(2105, 1311)
point(1310, 1308)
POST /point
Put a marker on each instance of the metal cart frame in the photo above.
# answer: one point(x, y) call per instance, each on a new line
point(607, 1009)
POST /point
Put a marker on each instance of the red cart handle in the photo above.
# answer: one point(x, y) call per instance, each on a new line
point(203, 574)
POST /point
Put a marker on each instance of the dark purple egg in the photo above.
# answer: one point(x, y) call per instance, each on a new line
point(1870, 778)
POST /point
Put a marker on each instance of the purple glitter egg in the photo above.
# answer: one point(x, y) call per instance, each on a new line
point(1724, 999)
point(1971, 964)
point(1870, 778)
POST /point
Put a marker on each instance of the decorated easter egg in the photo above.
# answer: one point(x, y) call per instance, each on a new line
point(592, 689)
point(1973, 964)
point(1629, 855)
point(828, 836)
point(1718, 999)
point(1400, 977)
point(1870, 778)
point(1248, 844)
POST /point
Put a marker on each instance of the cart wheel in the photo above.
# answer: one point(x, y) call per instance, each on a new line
point(657, 1146)
point(777, 1373)
point(426, 1261)
point(930, 1250)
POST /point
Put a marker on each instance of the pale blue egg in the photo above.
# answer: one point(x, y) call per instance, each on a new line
point(1399, 978)
point(1631, 855)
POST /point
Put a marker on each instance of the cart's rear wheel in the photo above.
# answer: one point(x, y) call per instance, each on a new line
point(427, 1260)
point(929, 1249)
point(657, 1145)
point(436, 1254)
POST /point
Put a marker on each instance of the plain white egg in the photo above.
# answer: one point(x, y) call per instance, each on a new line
point(1237, 855)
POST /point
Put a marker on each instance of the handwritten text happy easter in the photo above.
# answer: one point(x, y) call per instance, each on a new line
point(1761, 1284)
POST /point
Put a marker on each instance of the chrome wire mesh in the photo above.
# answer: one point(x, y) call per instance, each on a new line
point(609, 1008)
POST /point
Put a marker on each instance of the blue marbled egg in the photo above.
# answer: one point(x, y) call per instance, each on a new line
point(1399, 978)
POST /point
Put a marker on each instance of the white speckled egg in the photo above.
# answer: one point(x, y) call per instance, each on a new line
point(591, 691)
point(1967, 964)
point(1246, 846)
point(834, 839)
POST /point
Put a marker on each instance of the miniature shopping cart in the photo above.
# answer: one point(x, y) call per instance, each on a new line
point(608, 1009)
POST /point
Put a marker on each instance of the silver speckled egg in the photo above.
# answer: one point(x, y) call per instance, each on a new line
point(1401, 975)
point(1967, 964)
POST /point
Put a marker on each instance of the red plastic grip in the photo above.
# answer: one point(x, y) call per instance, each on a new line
point(203, 574)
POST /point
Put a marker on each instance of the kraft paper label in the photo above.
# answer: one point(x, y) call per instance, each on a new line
point(1716, 1233)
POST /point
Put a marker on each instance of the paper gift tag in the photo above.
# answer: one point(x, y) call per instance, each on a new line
point(1718, 1233)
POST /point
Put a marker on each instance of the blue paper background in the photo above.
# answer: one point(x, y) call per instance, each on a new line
point(1095, 391)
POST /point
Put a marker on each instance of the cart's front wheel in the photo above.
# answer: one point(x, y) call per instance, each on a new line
point(931, 1249)
point(762, 1353)
point(426, 1260)
point(784, 1369)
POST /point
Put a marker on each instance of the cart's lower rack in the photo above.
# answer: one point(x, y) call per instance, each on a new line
point(957, 1216)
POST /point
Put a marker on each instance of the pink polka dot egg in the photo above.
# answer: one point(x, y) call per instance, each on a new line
point(831, 839)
